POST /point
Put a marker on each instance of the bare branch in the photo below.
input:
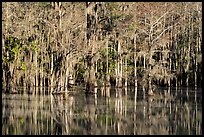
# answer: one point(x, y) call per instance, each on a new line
point(163, 32)
point(159, 19)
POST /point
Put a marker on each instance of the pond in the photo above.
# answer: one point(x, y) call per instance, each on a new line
point(112, 111)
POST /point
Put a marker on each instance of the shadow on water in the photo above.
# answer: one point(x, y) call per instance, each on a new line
point(110, 111)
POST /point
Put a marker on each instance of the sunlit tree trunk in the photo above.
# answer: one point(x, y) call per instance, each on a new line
point(176, 63)
point(126, 79)
point(119, 67)
point(51, 73)
point(107, 67)
point(188, 50)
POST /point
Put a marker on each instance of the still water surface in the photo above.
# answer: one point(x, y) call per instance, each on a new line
point(111, 111)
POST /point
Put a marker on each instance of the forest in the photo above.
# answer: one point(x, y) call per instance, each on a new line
point(59, 45)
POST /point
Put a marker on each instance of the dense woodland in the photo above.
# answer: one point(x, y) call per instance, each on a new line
point(96, 44)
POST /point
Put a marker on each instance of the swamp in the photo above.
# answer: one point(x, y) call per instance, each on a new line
point(102, 68)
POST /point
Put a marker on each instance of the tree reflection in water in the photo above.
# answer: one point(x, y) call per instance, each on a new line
point(110, 111)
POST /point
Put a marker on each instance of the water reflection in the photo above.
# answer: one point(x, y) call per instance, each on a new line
point(111, 111)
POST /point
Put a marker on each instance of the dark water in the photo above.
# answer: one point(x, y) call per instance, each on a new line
point(111, 111)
